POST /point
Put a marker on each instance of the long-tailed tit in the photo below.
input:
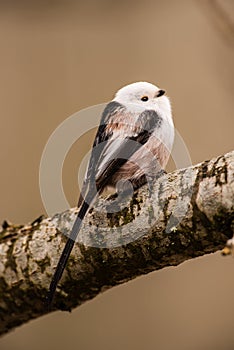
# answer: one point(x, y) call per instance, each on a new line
point(134, 139)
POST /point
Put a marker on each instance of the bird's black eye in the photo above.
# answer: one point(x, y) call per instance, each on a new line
point(144, 98)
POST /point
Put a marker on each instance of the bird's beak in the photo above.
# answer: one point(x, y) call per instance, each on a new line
point(160, 93)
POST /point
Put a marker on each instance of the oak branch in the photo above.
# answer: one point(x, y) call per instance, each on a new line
point(184, 214)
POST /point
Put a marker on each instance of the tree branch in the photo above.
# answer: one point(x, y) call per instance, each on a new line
point(188, 213)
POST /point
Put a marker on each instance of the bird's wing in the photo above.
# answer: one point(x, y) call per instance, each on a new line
point(119, 136)
point(102, 135)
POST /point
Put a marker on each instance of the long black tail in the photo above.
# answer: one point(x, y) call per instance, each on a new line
point(66, 252)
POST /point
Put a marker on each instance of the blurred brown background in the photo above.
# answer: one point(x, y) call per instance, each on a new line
point(58, 57)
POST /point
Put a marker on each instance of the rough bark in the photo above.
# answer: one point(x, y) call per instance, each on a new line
point(188, 213)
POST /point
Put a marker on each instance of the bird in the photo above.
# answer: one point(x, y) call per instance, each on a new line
point(133, 141)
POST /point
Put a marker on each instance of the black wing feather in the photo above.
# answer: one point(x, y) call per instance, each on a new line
point(101, 137)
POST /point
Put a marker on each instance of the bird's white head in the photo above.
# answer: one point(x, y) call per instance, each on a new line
point(144, 95)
